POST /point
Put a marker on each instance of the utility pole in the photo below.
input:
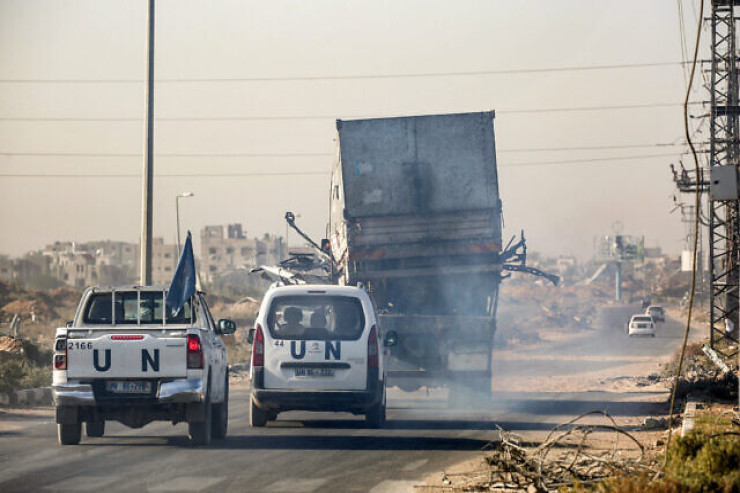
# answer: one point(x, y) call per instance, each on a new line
point(148, 174)
point(724, 218)
point(721, 179)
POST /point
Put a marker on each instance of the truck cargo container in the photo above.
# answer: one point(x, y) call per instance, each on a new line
point(415, 216)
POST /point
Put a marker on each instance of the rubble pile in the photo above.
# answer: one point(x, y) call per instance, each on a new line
point(700, 376)
point(568, 308)
point(567, 457)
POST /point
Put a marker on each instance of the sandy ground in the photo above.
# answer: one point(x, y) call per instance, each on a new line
point(631, 374)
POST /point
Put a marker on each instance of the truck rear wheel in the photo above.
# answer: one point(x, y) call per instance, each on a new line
point(69, 434)
point(257, 417)
point(221, 414)
point(95, 429)
point(475, 392)
point(200, 431)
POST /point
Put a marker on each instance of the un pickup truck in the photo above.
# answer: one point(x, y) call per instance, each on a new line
point(125, 358)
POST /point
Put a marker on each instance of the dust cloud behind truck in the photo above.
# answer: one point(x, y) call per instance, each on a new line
point(416, 217)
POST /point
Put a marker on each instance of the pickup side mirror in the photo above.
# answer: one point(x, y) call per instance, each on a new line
point(390, 339)
point(70, 323)
point(226, 327)
point(250, 336)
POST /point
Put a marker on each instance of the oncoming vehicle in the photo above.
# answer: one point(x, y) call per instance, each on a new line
point(125, 358)
point(656, 312)
point(641, 325)
point(317, 348)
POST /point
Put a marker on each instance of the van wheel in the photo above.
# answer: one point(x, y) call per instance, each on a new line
point(69, 434)
point(257, 417)
point(200, 432)
point(221, 414)
point(375, 416)
point(95, 429)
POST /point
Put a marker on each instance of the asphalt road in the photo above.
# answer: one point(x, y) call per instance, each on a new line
point(306, 452)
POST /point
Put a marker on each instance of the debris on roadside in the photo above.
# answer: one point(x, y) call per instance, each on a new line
point(567, 457)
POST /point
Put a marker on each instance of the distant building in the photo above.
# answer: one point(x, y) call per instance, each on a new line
point(23, 269)
point(164, 261)
point(226, 249)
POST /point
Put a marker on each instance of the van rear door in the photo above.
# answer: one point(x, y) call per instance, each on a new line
point(316, 341)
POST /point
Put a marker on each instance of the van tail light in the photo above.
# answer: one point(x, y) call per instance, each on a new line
point(60, 353)
point(372, 348)
point(195, 352)
point(258, 348)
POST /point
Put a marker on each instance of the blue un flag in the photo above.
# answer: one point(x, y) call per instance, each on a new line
point(182, 286)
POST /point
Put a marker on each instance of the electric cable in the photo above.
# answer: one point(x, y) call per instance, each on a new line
point(347, 76)
point(697, 204)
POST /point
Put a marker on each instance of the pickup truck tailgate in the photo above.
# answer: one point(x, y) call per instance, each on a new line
point(140, 354)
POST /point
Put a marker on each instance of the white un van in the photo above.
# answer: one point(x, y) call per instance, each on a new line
point(317, 348)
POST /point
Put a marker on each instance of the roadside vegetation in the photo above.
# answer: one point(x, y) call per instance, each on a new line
point(698, 462)
point(23, 365)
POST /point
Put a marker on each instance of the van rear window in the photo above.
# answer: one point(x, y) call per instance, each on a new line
point(316, 318)
point(129, 306)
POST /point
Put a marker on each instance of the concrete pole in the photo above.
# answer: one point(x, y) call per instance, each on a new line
point(618, 295)
point(148, 173)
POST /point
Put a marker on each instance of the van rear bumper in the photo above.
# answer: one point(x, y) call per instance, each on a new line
point(357, 401)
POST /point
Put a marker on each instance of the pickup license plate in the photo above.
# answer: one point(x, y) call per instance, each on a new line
point(314, 372)
point(125, 387)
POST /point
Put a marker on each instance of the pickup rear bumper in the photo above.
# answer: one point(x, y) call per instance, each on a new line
point(173, 392)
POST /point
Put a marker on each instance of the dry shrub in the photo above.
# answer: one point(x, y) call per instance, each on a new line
point(696, 463)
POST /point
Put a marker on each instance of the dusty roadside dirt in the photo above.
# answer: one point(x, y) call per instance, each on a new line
point(639, 376)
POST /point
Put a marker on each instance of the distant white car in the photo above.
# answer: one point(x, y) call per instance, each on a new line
point(657, 312)
point(641, 325)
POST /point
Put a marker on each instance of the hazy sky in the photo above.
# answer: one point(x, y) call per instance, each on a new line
point(248, 93)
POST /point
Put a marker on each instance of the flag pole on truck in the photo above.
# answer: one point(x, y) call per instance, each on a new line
point(182, 286)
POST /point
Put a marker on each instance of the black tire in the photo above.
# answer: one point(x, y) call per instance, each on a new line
point(95, 429)
point(220, 423)
point(375, 416)
point(69, 434)
point(257, 417)
point(201, 431)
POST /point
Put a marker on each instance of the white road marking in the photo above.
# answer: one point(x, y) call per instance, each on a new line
point(186, 484)
point(414, 465)
point(83, 483)
point(396, 486)
point(295, 485)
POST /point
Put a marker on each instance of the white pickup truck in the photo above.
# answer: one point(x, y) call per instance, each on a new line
point(121, 360)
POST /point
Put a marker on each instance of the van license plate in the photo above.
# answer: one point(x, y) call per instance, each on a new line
point(125, 387)
point(314, 372)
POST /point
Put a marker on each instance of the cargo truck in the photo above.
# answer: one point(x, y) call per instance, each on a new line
point(415, 216)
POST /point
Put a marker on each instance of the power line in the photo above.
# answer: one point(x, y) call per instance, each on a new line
point(165, 155)
point(314, 154)
point(321, 117)
point(587, 160)
point(305, 173)
point(588, 148)
point(173, 175)
point(348, 76)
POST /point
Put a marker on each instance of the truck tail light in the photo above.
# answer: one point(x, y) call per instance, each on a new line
point(60, 353)
point(372, 348)
point(258, 348)
point(195, 352)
